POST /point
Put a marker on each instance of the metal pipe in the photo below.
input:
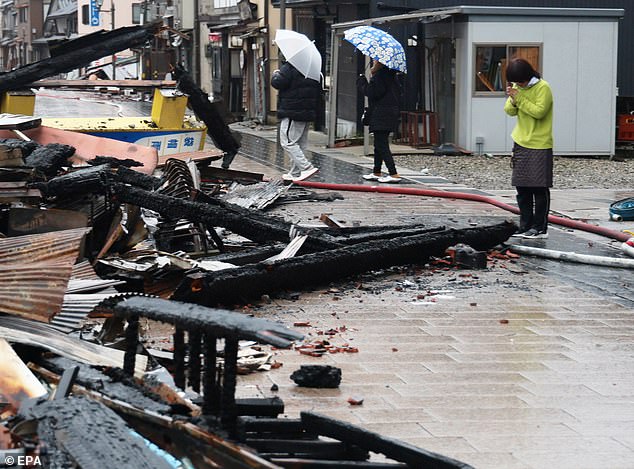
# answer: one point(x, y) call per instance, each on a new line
point(573, 257)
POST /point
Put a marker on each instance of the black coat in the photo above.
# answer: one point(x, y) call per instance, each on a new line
point(383, 92)
point(298, 96)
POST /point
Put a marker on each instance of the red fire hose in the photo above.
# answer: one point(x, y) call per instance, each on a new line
point(567, 222)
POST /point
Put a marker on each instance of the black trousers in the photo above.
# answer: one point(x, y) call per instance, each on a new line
point(534, 205)
point(382, 152)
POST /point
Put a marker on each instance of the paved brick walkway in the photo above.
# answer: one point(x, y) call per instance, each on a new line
point(527, 364)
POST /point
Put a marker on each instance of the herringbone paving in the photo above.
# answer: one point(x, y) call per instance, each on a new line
point(527, 364)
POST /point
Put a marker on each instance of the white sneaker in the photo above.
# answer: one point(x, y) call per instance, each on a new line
point(287, 177)
point(306, 174)
point(371, 177)
point(390, 179)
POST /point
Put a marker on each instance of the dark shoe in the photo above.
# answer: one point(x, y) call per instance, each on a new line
point(519, 234)
point(534, 234)
point(227, 160)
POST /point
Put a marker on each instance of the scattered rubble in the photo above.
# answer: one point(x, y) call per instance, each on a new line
point(96, 249)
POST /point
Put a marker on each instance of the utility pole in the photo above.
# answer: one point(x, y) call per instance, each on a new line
point(282, 14)
point(114, 56)
point(195, 65)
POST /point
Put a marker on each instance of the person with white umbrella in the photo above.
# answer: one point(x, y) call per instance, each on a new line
point(299, 90)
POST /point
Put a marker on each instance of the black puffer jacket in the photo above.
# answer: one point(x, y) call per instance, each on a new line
point(298, 96)
point(383, 94)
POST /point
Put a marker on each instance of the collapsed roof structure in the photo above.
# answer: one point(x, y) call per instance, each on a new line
point(118, 237)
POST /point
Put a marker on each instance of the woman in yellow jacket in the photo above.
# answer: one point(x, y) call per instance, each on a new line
point(530, 99)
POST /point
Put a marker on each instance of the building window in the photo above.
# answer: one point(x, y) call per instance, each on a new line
point(85, 14)
point(225, 3)
point(24, 13)
point(136, 13)
point(490, 64)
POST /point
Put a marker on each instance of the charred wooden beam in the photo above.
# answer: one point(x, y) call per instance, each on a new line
point(387, 233)
point(394, 449)
point(260, 407)
point(321, 464)
point(322, 449)
point(251, 281)
point(219, 322)
point(90, 84)
point(111, 382)
point(251, 255)
point(209, 113)
point(180, 438)
point(49, 159)
point(95, 179)
point(78, 53)
point(252, 225)
point(135, 178)
point(92, 436)
point(210, 323)
point(25, 146)
point(66, 382)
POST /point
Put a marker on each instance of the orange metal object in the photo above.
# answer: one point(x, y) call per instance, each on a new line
point(88, 146)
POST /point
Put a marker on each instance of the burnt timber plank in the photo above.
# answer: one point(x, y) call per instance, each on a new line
point(296, 463)
point(251, 281)
point(137, 84)
point(93, 435)
point(211, 321)
point(208, 112)
point(252, 225)
point(399, 451)
point(260, 406)
point(79, 52)
point(271, 425)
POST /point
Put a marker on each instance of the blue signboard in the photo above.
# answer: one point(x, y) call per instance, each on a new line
point(94, 13)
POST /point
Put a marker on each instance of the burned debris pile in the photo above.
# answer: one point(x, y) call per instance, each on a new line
point(109, 245)
point(78, 53)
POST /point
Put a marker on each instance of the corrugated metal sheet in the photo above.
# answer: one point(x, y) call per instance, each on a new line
point(84, 270)
point(35, 291)
point(35, 270)
point(57, 247)
point(256, 196)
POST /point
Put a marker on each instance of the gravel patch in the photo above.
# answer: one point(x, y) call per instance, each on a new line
point(494, 172)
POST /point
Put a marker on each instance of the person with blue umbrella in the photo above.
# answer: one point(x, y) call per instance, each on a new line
point(383, 92)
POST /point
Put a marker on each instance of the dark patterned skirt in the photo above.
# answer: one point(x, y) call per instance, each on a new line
point(532, 167)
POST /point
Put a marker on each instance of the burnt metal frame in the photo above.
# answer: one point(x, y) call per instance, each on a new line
point(204, 326)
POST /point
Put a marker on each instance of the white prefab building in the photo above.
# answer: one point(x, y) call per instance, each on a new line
point(575, 50)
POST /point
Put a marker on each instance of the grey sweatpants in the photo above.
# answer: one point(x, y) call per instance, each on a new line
point(294, 139)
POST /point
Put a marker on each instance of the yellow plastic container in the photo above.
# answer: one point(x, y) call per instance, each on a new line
point(168, 109)
point(18, 102)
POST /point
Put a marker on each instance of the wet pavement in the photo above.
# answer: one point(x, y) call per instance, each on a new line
point(527, 364)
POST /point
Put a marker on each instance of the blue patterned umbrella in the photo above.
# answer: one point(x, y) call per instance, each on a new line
point(378, 45)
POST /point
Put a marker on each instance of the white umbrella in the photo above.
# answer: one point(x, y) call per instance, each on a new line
point(300, 52)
